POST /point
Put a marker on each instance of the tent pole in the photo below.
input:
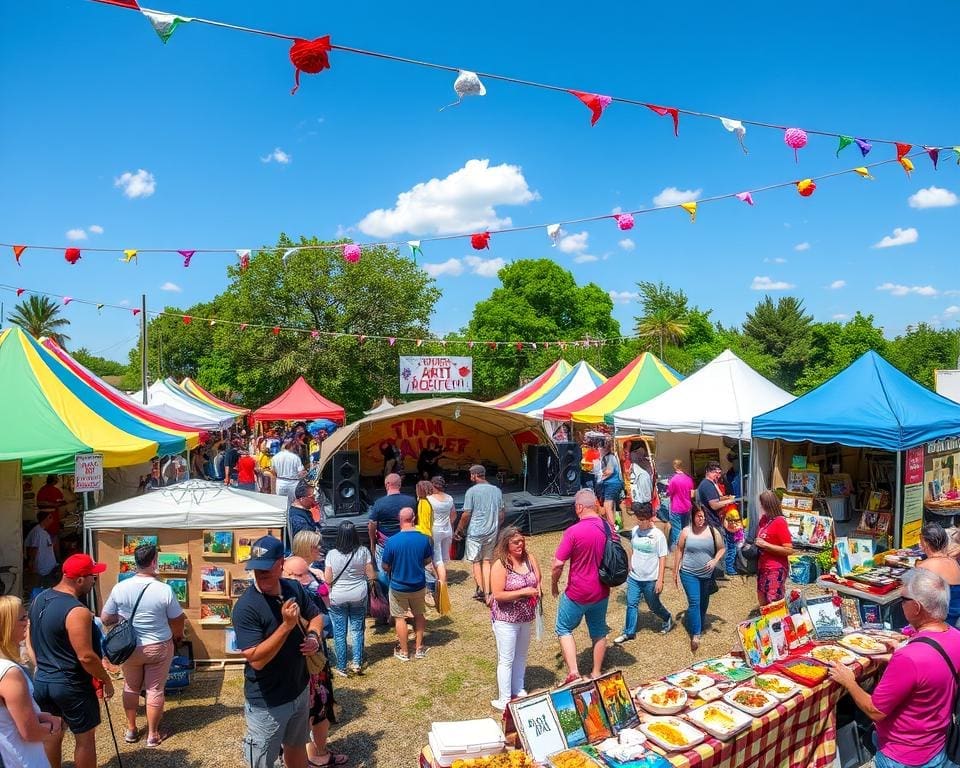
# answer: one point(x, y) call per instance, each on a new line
point(897, 508)
point(143, 346)
point(743, 487)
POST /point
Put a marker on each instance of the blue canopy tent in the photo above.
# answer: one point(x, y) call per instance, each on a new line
point(869, 404)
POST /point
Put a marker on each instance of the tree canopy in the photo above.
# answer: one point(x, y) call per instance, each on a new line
point(40, 316)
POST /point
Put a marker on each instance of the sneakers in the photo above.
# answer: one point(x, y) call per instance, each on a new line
point(341, 672)
point(400, 656)
point(621, 639)
point(357, 669)
point(421, 653)
point(499, 704)
point(131, 737)
point(667, 626)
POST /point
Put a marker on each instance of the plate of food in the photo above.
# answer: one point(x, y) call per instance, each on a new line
point(720, 720)
point(691, 682)
point(753, 701)
point(672, 734)
point(831, 653)
point(661, 699)
point(806, 670)
point(572, 758)
point(776, 685)
point(862, 643)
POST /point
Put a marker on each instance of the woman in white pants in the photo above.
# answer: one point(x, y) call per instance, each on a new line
point(515, 584)
point(443, 514)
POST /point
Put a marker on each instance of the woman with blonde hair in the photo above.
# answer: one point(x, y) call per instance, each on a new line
point(515, 586)
point(23, 727)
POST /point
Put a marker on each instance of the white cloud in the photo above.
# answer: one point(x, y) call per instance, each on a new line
point(623, 297)
point(802, 247)
point(451, 267)
point(627, 244)
point(124, 302)
point(484, 267)
point(764, 283)
point(933, 197)
point(173, 287)
point(896, 289)
point(837, 284)
point(899, 237)
point(139, 184)
point(775, 260)
point(585, 258)
point(674, 196)
point(277, 156)
point(952, 310)
point(95, 229)
point(576, 243)
point(840, 316)
point(464, 201)
point(76, 234)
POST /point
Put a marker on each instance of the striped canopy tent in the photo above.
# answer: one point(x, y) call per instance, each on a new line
point(49, 416)
point(535, 388)
point(191, 387)
point(643, 379)
point(582, 379)
point(166, 394)
point(189, 432)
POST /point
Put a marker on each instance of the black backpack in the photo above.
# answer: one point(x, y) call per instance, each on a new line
point(121, 641)
point(953, 729)
point(615, 566)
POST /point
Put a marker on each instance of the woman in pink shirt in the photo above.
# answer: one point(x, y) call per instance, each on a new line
point(678, 491)
point(913, 701)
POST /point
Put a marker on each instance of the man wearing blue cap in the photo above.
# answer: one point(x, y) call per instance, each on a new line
point(276, 625)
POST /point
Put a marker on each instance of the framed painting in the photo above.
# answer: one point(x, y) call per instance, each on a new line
point(179, 586)
point(538, 726)
point(617, 701)
point(826, 616)
point(699, 458)
point(218, 544)
point(244, 543)
point(216, 612)
point(173, 562)
point(239, 586)
point(570, 724)
point(230, 642)
point(127, 564)
point(596, 724)
point(214, 581)
point(133, 540)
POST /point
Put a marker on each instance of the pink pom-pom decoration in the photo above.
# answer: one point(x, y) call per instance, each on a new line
point(795, 138)
point(624, 220)
point(351, 253)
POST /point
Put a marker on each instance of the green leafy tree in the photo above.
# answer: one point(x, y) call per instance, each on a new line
point(834, 345)
point(39, 316)
point(665, 314)
point(922, 349)
point(783, 332)
point(101, 366)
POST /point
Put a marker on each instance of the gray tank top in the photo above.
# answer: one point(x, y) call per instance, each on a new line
point(698, 550)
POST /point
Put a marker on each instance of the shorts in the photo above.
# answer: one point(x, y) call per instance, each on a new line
point(401, 602)
point(77, 704)
point(480, 548)
point(610, 490)
point(269, 728)
point(570, 613)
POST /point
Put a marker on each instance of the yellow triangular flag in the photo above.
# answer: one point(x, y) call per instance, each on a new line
point(690, 208)
point(129, 255)
point(863, 172)
point(907, 164)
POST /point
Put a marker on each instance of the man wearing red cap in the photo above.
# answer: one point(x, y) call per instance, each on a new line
point(66, 644)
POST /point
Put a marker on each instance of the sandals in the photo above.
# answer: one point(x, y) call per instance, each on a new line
point(332, 759)
point(156, 741)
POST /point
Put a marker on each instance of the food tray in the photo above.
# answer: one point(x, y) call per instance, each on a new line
point(831, 653)
point(644, 697)
point(691, 682)
point(803, 670)
point(764, 701)
point(861, 643)
point(572, 758)
point(726, 668)
point(720, 720)
point(691, 736)
point(776, 685)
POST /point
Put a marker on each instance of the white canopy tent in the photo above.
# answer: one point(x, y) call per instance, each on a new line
point(160, 395)
point(383, 405)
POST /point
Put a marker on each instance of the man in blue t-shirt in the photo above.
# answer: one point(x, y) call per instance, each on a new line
point(384, 518)
point(405, 555)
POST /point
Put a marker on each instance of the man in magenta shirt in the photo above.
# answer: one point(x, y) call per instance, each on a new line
point(585, 597)
point(913, 701)
point(679, 490)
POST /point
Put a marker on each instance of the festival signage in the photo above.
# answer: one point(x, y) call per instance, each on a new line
point(88, 472)
point(436, 375)
point(914, 466)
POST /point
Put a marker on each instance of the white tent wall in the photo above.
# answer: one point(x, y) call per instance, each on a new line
point(123, 483)
point(677, 445)
point(11, 524)
point(761, 464)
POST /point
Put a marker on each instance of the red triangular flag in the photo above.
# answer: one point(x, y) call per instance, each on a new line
point(594, 102)
point(492, 344)
point(276, 330)
point(672, 111)
point(133, 4)
point(20, 291)
point(902, 149)
point(135, 312)
point(19, 249)
point(243, 326)
point(187, 319)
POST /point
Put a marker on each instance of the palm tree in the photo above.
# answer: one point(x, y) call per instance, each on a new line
point(664, 324)
point(39, 316)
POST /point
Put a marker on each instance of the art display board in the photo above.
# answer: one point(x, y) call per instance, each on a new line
point(206, 579)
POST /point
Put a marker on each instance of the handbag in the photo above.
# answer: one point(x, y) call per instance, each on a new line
point(379, 606)
point(712, 586)
point(121, 641)
point(316, 662)
point(952, 744)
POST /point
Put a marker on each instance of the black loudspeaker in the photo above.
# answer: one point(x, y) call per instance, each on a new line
point(569, 465)
point(541, 469)
point(345, 485)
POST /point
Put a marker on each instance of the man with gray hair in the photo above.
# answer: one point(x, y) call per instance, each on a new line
point(483, 514)
point(913, 703)
point(585, 596)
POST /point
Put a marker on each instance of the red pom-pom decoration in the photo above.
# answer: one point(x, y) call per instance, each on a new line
point(480, 240)
point(72, 255)
point(309, 56)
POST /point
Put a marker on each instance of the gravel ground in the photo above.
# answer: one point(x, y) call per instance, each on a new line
point(387, 712)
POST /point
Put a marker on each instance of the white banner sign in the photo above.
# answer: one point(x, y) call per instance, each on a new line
point(88, 472)
point(436, 375)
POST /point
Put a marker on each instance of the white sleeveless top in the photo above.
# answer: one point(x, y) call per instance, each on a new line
point(15, 752)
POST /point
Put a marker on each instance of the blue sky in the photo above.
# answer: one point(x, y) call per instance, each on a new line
point(90, 94)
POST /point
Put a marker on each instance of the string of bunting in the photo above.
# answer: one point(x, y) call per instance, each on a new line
point(361, 338)
point(312, 57)
point(351, 252)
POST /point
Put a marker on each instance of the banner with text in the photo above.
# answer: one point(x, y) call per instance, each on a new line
point(436, 375)
point(88, 472)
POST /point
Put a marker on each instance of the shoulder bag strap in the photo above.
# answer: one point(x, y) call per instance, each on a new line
point(337, 578)
point(137, 604)
point(713, 535)
point(939, 649)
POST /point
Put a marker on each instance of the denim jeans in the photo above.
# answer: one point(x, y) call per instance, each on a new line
point(342, 615)
point(698, 600)
point(880, 760)
point(648, 591)
point(513, 642)
point(730, 556)
point(678, 521)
